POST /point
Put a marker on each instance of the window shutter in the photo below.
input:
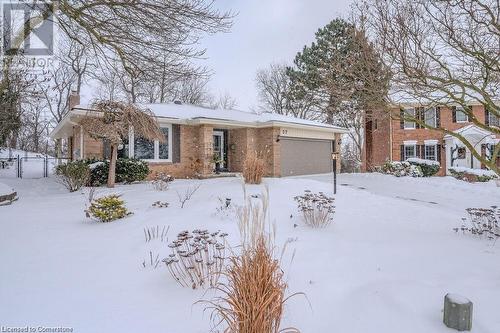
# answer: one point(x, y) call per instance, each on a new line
point(438, 116)
point(176, 143)
point(454, 114)
point(486, 117)
point(402, 118)
point(438, 153)
point(402, 158)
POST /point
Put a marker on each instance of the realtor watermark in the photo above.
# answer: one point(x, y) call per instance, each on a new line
point(35, 329)
point(28, 34)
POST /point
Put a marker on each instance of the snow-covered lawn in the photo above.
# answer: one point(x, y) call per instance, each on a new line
point(384, 265)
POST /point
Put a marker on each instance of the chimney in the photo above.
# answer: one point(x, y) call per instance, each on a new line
point(73, 100)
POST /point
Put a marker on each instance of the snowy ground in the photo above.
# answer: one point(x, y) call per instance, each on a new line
point(383, 266)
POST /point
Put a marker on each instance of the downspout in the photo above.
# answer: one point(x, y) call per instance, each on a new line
point(81, 142)
point(390, 138)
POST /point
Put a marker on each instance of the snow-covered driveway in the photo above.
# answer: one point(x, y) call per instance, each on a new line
point(444, 191)
point(384, 265)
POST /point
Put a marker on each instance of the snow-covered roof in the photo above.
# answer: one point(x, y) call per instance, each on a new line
point(191, 114)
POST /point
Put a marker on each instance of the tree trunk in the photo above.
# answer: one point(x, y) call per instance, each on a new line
point(112, 165)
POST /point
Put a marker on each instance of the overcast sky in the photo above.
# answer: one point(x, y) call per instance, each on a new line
point(263, 32)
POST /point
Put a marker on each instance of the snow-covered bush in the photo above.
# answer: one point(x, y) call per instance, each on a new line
point(317, 209)
point(253, 168)
point(483, 222)
point(401, 169)
point(108, 208)
point(73, 175)
point(128, 170)
point(161, 181)
point(224, 209)
point(429, 167)
point(472, 175)
point(197, 258)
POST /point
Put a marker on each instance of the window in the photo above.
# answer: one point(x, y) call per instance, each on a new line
point(123, 149)
point(460, 115)
point(144, 149)
point(430, 152)
point(430, 117)
point(163, 148)
point(493, 120)
point(151, 150)
point(410, 151)
point(409, 113)
point(461, 153)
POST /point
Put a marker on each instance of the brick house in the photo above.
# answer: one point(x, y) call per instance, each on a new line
point(290, 146)
point(388, 138)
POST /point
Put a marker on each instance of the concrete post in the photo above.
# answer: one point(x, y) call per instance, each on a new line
point(457, 312)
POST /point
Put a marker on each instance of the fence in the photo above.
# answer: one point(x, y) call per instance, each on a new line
point(29, 166)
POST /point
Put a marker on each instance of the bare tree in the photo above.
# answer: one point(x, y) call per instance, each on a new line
point(273, 86)
point(192, 90)
point(57, 90)
point(224, 101)
point(442, 53)
point(138, 33)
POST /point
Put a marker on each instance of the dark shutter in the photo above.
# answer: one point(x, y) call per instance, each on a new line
point(402, 158)
point(438, 116)
point(438, 152)
point(486, 117)
point(176, 143)
point(402, 118)
point(454, 114)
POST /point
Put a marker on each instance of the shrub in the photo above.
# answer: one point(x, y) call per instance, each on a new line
point(108, 208)
point(73, 175)
point(429, 168)
point(483, 222)
point(197, 258)
point(472, 175)
point(253, 291)
point(253, 168)
point(317, 208)
point(161, 181)
point(254, 294)
point(400, 169)
point(128, 170)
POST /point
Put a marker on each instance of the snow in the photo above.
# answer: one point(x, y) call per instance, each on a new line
point(192, 112)
point(477, 172)
point(384, 265)
point(94, 165)
point(457, 299)
point(422, 161)
point(5, 189)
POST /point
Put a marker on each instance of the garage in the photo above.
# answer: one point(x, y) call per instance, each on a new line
point(305, 156)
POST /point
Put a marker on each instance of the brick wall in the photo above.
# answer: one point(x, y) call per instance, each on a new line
point(192, 150)
point(261, 140)
point(377, 140)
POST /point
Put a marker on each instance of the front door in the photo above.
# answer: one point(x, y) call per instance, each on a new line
point(219, 148)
